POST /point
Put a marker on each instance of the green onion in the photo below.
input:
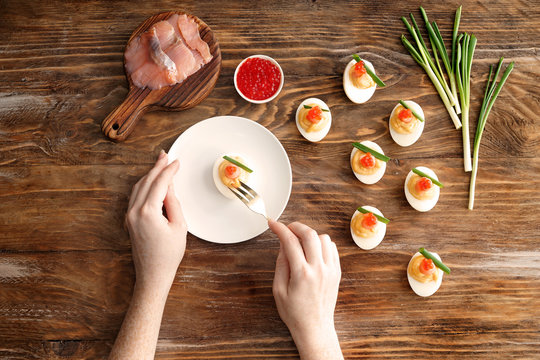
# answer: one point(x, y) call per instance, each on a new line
point(490, 96)
point(454, 46)
point(365, 149)
point(231, 160)
point(368, 70)
point(436, 261)
point(436, 39)
point(309, 107)
point(422, 56)
point(416, 115)
point(465, 53)
point(423, 174)
point(380, 218)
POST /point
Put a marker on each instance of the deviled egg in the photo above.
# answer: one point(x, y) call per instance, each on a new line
point(367, 167)
point(424, 275)
point(228, 174)
point(405, 126)
point(422, 188)
point(313, 119)
point(359, 86)
point(367, 229)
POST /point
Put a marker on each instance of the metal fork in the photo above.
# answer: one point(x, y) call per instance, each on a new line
point(250, 197)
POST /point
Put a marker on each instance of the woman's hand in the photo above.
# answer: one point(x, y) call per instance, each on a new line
point(305, 287)
point(158, 242)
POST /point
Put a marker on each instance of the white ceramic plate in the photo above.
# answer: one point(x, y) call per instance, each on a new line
point(209, 215)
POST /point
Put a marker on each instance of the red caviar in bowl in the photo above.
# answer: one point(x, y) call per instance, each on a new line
point(258, 78)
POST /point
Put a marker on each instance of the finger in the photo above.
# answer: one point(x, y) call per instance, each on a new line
point(160, 186)
point(310, 241)
point(172, 206)
point(292, 250)
point(327, 250)
point(144, 184)
point(133, 195)
point(282, 275)
point(335, 254)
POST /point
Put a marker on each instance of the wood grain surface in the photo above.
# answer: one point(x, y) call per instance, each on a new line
point(66, 274)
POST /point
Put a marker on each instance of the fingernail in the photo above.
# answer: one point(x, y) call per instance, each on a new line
point(161, 154)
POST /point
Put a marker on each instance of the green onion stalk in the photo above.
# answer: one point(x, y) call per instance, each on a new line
point(490, 95)
point(465, 53)
point(437, 45)
point(454, 57)
point(422, 56)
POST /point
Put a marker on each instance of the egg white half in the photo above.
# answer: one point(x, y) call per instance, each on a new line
point(371, 242)
point(223, 189)
point(408, 139)
point(422, 205)
point(315, 135)
point(429, 288)
point(373, 178)
point(356, 95)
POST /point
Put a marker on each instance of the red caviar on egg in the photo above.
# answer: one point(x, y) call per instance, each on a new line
point(369, 221)
point(314, 114)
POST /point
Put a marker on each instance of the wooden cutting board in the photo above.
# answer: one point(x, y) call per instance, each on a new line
point(190, 92)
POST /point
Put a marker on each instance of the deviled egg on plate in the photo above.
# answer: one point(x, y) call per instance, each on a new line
point(406, 123)
point(368, 162)
point(425, 272)
point(228, 171)
point(422, 188)
point(358, 84)
point(368, 227)
point(313, 119)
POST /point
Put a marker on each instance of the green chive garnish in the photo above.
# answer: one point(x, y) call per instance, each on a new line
point(368, 70)
point(436, 261)
point(231, 160)
point(380, 218)
point(309, 107)
point(423, 174)
point(413, 112)
point(365, 149)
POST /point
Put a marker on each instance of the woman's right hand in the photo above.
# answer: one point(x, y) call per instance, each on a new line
point(305, 288)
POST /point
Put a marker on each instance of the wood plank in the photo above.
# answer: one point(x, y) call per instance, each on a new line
point(48, 296)
point(59, 208)
point(49, 88)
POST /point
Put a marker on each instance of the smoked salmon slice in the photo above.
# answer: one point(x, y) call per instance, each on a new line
point(167, 53)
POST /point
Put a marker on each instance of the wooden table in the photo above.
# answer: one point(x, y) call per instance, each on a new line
point(66, 274)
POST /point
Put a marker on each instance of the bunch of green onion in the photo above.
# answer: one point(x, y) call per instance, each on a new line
point(433, 68)
point(458, 70)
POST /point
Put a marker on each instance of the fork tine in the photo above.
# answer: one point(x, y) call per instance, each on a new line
point(251, 191)
point(248, 196)
point(238, 195)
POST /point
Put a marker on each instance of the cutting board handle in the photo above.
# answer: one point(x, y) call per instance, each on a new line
point(121, 121)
